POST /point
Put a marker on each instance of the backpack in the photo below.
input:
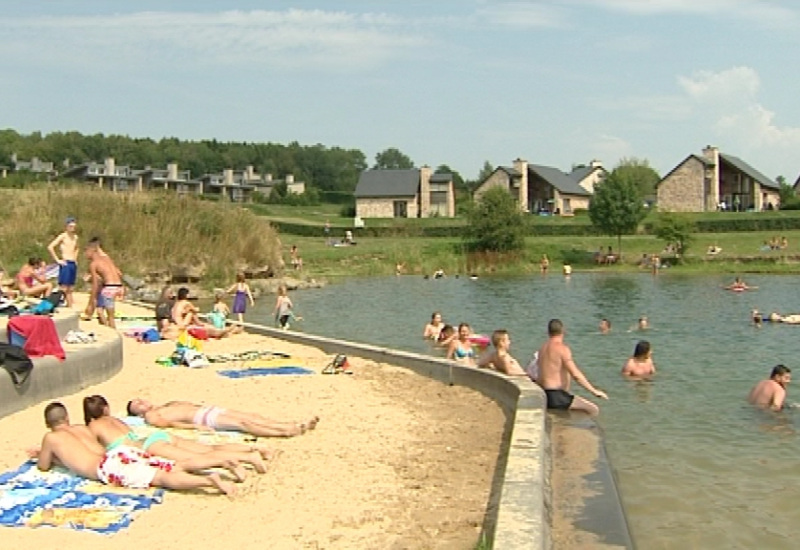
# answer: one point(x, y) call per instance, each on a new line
point(16, 361)
point(45, 307)
point(56, 298)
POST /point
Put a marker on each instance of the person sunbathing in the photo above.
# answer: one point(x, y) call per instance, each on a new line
point(113, 432)
point(32, 283)
point(123, 466)
point(183, 414)
point(185, 317)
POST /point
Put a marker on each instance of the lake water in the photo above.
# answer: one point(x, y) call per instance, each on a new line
point(697, 467)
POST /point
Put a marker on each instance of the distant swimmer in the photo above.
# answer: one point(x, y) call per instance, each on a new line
point(641, 364)
point(439, 274)
point(771, 394)
point(557, 368)
point(738, 285)
point(642, 324)
point(605, 326)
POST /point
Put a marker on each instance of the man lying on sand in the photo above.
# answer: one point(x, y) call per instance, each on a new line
point(122, 466)
point(182, 414)
point(113, 432)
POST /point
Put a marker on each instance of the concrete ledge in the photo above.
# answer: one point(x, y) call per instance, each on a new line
point(522, 488)
point(86, 364)
point(64, 319)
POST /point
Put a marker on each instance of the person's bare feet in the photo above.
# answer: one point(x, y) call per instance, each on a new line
point(258, 462)
point(313, 422)
point(225, 487)
point(236, 469)
point(268, 454)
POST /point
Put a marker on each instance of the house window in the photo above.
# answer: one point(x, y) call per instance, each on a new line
point(400, 209)
point(566, 207)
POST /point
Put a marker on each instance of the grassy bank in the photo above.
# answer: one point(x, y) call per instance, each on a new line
point(142, 232)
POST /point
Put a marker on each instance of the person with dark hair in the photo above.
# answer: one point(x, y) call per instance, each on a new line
point(605, 326)
point(122, 466)
point(106, 282)
point(163, 310)
point(30, 282)
point(113, 432)
point(771, 393)
point(556, 370)
point(641, 363)
point(501, 359)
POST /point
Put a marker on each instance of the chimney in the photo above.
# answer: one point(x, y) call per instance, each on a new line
point(711, 154)
point(267, 177)
point(250, 172)
point(425, 191)
point(172, 170)
point(596, 163)
point(109, 166)
point(227, 176)
point(521, 166)
point(289, 179)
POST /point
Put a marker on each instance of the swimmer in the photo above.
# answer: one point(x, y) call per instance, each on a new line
point(643, 324)
point(739, 285)
point(500, 359)
point(605, 326)
point(447, 335)
point(757, 318)
point(641, 363)
point(544, 264)
point(771, 393)
point(434, 328)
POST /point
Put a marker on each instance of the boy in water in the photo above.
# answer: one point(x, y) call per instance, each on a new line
point(68, 262)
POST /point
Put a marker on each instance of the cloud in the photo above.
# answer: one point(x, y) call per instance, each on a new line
point(292, 38)
point(731, 87)
point(762, 12)
point(522, 15)
point(606, 146)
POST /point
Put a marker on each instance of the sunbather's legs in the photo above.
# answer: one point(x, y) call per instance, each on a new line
point(221, 452)
point(179, 480)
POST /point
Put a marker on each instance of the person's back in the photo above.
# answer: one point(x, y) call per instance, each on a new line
point(552, 374)
point(71, 452)
point(771, 393)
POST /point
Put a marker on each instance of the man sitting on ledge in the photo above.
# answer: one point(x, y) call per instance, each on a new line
point(185, 317)
point(182, 414)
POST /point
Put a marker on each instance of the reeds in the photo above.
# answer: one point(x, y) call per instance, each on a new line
point(142, 232)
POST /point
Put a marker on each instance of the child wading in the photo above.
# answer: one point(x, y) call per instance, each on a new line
point(283, 309)
point(241, 296)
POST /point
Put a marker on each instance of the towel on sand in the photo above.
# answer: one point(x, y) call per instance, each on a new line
point(247, 373)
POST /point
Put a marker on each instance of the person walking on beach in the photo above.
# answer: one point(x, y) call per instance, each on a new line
point(771, 393)
point(283, 311)
point(68, 262)
point(557, 368)
point(106, 283)
point(241, 295)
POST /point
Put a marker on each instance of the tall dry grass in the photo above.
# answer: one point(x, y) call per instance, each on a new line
point(142, 232)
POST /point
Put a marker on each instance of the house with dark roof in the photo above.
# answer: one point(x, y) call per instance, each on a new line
point(716, 181)
point(544, 189)
point(414, 193)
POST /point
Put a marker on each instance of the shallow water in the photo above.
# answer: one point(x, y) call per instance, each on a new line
point(697, 467)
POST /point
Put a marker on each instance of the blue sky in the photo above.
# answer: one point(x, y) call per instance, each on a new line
point(446, 82)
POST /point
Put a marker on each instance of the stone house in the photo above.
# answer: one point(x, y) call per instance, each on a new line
point(716, 181)
point(35, 165)
point(544, 189)
point(414, 193)
point(109, 175)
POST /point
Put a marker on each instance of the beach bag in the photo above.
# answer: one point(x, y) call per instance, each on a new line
point(56, 298)
point(150, 335)
point(338, 365)
point(16, 361)
point(45, 307)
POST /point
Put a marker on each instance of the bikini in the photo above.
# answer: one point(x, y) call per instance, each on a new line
point(461, 353)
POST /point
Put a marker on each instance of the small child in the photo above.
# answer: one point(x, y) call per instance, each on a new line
point(241, 296)
point(283, 309)
point(219, 312)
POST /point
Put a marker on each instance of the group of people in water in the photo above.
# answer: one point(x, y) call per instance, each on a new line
point(108, 450)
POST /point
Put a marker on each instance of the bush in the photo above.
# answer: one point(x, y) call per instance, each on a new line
point(495, 223)
point(348, 211)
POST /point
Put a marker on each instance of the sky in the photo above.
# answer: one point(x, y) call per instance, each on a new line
point(455, 82)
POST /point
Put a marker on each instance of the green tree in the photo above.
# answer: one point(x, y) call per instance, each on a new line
point(485, 172)
point(458, 181)
point(495, 223)
point(676, 230)
point(617, 207)
point(641, 173)
point(785, 191)
point(392, 159)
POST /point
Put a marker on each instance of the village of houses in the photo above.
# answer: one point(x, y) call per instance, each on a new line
point(707, 181)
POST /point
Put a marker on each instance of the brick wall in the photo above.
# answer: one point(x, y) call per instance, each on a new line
point(383, 207)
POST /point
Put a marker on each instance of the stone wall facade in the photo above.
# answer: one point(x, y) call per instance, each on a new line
point(383, 207)
point(684, 189)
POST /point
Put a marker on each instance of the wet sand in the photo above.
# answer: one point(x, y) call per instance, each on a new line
point(397, 460)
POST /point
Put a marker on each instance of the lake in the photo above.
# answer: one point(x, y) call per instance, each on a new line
point(697, 467)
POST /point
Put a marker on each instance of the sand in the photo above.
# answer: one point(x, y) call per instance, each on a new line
point(397, 460)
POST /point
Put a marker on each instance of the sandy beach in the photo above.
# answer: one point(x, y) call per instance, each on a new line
point(397, 460)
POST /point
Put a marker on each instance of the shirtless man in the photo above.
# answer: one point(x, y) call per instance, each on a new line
point(500, 359)
point(112, 432)
point(184, 315)
point(771, 394)
point(557, 368)
point(605, 326)
point(106, 283)
point(640, 365)
point(183, 414)
point(68, 272)
point(184, 312)
point(123, 466)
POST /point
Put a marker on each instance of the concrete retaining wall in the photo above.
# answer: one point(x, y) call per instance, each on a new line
point(85, 364)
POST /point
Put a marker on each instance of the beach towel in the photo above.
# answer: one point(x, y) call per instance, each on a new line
point(40, 335)
point(217, 437)
point(30, 498)
point(247, 356)
point(247, 373)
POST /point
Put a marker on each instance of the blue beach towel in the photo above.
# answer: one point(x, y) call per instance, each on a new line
point(58, 498)
point(247, 373)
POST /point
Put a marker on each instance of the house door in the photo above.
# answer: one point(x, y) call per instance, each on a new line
point(400, 209)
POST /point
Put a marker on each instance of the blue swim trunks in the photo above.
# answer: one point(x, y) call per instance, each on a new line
point(68, 274)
